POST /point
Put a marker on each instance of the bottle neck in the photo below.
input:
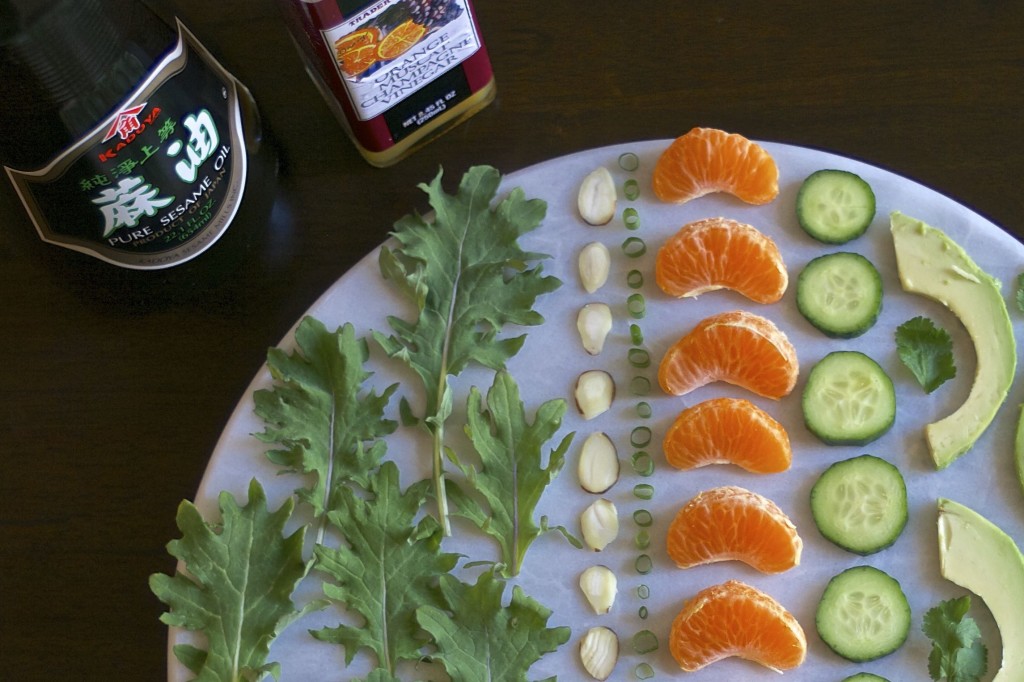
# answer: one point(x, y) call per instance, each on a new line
point(75, 52)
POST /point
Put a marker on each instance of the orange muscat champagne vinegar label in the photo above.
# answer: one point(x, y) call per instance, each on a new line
point(159, 180)
point(394, 71)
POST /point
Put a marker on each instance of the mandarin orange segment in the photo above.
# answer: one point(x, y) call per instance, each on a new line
point(707, 160)
point(735, 619)
point(398, 41)
point(738, 347)
point(732, 523)
point(719, 253)
point(728, 431)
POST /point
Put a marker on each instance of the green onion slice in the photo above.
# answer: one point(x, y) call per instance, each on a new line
point(631, 218)
point(640, 385)
point(636, 335)
point(640, 437)
point(634, 247)
point(631, 188)
point(644, 642)
point(639, 358)
point(643, 491)
point(643, 539)
point(644, 671)
point(635, 279)
point(643, 518)
point(628, 161)
point(643, 464)
point(637, 306)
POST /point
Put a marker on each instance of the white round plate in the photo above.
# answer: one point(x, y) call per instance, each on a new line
point(552, 358)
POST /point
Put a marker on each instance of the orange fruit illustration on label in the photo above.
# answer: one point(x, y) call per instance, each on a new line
point(359, 59)
point(398, 41)
point(718, 253)
point(735, 619)
point(707, 160)
point(357, 51)
point(732, 523)
point(728, 431)
point(737, 347)
point(356, 39)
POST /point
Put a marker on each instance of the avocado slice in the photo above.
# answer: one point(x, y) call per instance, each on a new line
point(977, 555)
point(1018, 449)
point(932, 264)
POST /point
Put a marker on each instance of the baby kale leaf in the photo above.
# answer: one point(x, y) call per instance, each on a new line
point(386, 567)
point(478, 638)
point(512, 477)
point(238, 586)
point(469, 278)
point(321, 413)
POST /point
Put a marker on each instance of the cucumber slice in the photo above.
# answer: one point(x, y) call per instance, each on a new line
point(835, 206)
point(840, 294)
point(863, 614)
point(860, 504)
point(865, 677)
point(848, 399)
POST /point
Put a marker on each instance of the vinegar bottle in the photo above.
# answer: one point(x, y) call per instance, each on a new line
point(396, 73)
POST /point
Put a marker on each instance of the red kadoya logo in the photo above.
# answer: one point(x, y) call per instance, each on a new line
point(125, 123)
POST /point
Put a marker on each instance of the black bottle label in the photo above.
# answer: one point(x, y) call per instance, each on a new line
point(158, 181)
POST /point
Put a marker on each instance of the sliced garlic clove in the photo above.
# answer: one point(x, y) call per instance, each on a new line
point(593, 322)
point(598, 467)
point(595, 390)
point(599, 524)
point(599, 652)
point(595, 261)
point(597, 197)
point(599, 586)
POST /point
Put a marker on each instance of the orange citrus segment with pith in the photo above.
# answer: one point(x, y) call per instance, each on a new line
point(719, 253)
point(399, 40)
point(728, 431)
point(738, 347)
point(733, 524)
point(707, 160)
point(735, 619)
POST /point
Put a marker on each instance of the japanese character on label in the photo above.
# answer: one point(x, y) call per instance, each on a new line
point(123, 204)
point(202, 142)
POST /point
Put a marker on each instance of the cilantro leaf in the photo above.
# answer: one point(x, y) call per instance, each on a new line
point(468, 278)
point(387, 566)
point(1020, 292)
point(512, 478)
point(957, 654)
point(238, 586)
point(927, 351)
point(320, 413)
point(479, 639)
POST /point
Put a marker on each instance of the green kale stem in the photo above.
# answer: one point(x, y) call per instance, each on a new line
point(439, 480)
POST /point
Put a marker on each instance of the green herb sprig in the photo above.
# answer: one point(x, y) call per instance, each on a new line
point(927, 351)
point(469, 278)
point(957, 653)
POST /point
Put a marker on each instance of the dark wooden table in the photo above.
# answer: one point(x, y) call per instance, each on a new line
point(109, 413)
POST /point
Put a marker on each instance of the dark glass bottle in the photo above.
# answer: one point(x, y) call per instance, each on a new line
point(126, 140)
